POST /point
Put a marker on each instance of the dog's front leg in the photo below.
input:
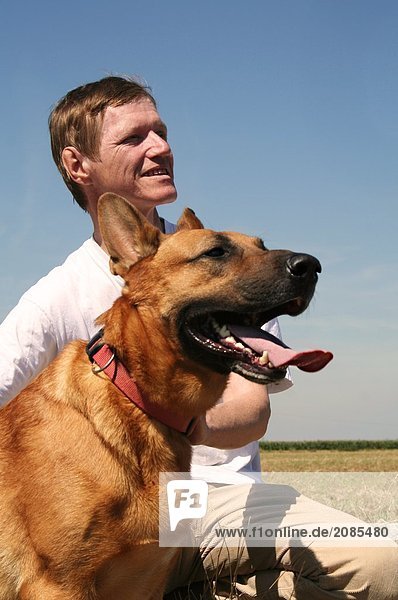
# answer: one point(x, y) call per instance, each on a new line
point(139, 574)
point(46, 590)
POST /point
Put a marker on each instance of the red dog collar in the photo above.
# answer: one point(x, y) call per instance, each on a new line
point(105, 358)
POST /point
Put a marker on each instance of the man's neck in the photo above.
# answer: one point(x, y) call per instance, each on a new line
point(152, 216)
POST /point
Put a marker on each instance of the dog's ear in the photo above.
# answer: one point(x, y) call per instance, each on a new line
point(126, 233)
point(189, 220)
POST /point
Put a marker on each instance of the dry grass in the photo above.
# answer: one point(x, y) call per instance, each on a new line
point(371, 497)
point(361, 482)
point(329, 460)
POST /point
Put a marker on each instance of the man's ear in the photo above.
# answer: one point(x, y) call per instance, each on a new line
point(189, 220)
point(127, 234)
point(73, 162)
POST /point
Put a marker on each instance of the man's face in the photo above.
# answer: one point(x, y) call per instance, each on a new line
point(135, 159)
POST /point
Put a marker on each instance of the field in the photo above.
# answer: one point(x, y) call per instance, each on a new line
point(329, 460)
point(302, 459)
point(358, 477)
point(344, 455)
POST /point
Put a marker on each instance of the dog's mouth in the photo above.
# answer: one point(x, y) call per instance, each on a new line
point(233, 342)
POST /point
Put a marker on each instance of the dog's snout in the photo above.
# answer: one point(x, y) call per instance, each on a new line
point(303, 265)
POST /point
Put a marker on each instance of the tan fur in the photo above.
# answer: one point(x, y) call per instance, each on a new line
point(79, 462)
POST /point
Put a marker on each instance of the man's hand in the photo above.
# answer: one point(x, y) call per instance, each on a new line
point(241, 417)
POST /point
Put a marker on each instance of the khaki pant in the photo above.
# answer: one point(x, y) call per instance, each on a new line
point(280, 572)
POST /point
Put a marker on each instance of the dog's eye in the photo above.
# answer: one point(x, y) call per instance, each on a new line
point(215, 252)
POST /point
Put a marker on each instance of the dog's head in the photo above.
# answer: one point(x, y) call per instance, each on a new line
point(211, 291)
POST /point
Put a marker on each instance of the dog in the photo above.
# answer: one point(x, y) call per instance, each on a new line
point(82, 446)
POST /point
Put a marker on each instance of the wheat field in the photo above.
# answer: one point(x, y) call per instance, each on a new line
point(330, 460)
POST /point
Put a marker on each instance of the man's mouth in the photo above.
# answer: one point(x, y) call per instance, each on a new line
point(157, 172)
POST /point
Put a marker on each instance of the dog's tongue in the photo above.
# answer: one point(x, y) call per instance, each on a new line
point(279, 354)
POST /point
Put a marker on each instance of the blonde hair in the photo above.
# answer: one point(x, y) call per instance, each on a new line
point(77, 118)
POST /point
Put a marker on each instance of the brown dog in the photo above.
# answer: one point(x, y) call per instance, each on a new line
point(79, 461)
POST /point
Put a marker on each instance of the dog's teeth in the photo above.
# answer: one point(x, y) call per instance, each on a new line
point(263, 360)
point(240, 346)
point(230, 339)
point(224, 331)
point(270, 365)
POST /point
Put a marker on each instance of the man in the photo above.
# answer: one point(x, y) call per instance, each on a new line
point(107, 136)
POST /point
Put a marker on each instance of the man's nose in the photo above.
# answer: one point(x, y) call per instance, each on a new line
point(157, 145)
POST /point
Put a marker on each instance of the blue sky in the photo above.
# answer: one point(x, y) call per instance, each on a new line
point(283, 118)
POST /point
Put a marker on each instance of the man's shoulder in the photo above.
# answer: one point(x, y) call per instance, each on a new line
point(84, 258)
point(82, 277)
point(70, 271)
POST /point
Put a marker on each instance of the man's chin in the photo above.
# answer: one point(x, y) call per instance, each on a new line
point(167, 197)
point(168, 200)
point(147, 205)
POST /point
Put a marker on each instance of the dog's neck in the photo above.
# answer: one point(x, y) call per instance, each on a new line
point(163, 375)
point(105, 360)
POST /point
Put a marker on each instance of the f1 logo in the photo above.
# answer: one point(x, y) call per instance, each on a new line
point(187, 499)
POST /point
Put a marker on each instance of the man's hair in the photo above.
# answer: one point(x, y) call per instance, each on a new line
point(77, 118)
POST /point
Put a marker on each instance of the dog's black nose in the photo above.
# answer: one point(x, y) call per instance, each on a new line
point(303, 265)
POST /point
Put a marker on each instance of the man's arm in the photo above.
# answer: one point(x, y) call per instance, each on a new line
point(242, 416)
point(27, 346)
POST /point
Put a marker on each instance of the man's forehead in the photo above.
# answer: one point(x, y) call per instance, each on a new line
point(138, 111)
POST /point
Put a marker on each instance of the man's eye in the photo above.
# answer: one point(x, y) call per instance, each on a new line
point(133, 139)
point(215, 252)
point(162, 134)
